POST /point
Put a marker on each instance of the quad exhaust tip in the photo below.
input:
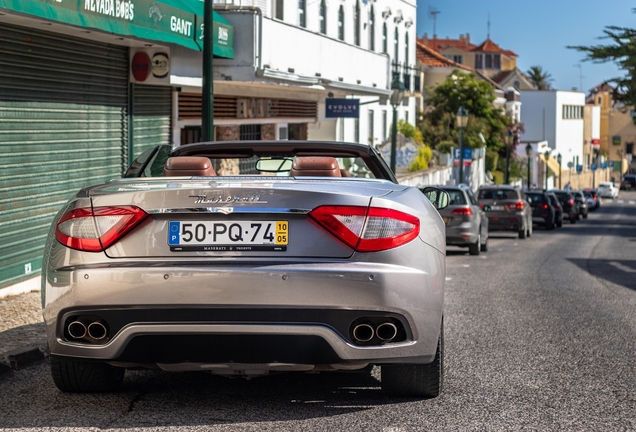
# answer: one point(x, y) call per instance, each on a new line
point(386, 331)
point(363, 333)
point(77, 330)
point(97, 330)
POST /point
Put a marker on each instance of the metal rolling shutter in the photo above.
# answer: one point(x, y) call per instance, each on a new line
point(152, 117)
point(63, 125)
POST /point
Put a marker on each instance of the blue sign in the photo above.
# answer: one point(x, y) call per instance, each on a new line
point(603, 165)
point(593, 167)
point(468, 153)
point(611, 164)
point(342, 108)
point(579, 168)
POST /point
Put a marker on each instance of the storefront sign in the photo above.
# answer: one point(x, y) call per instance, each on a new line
point(160, 65)
point(172, 21)
point(616, 140)
point(342, 108)
point(596, 141)
point(140, 66)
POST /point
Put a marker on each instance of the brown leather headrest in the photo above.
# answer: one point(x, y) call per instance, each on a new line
point(315, 166)
point(188, 166)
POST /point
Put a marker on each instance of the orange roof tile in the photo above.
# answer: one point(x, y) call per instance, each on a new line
point(490, 46)
point(430, 57)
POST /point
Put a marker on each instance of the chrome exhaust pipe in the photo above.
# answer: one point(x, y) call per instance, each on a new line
point(97, 330)
point(363, 333)
point(386, 331)
point(77, 330)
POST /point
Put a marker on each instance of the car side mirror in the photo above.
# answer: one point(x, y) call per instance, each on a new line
point(437, 197)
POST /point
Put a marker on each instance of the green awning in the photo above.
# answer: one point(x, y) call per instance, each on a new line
point(172, 21)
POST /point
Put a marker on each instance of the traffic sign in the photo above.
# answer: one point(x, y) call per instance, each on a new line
point(603, 165)
point(579, 168)
point(611, 164)
point(593, 167)
point(468, 153)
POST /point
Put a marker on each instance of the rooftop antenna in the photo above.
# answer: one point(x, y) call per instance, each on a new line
point(433, 13)
point(578, 65)
point(488, 37)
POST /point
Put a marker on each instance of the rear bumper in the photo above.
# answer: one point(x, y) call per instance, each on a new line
point(510, 222)
point(461, 235)
point(296, 313)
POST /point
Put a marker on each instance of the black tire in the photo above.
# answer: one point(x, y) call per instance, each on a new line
point(484, 246)
point(559, 224)
point(416, 380)
point(523, 233)
point(550, 226)
point(572, 220)
point(585, 216)
point(77, 376)
point(474, 248)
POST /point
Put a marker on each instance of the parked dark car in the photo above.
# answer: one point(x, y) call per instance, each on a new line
point(554, 201)
point(507, 209)
point(466, 223)
point(543, 213)
point(629, 182)
point(570, 209)
point(594, 199)
point(581, 203)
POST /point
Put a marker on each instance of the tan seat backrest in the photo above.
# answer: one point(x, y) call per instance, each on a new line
point(188, 166)
point(315, 166)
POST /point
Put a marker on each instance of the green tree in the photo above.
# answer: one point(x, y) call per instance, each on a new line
point(485, 123)
point(539, 78)
point(622, 51)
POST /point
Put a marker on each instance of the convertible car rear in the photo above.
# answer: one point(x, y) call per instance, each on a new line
point(243, 259)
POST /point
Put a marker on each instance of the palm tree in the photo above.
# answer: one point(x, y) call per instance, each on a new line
point(540, 78)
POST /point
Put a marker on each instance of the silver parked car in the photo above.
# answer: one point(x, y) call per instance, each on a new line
point(466, 223)
point(507, 208)
point(247, 258)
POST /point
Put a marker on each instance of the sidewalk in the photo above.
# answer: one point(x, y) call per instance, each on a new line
point(22, 336)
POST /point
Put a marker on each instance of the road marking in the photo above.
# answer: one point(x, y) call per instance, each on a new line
point(515, 244)
point(466, 265)
point(632, 202)
point(449, 278)
point(622, 267)
point(620, 201)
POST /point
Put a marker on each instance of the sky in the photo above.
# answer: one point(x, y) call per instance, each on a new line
point(538, 31)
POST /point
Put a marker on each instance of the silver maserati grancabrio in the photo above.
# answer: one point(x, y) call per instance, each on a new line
point(244, 259)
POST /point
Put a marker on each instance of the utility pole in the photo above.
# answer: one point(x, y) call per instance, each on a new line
point(207, 103)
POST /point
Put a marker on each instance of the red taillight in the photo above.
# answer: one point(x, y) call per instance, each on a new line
point(367, 229)
point(544, 207)
point(516, 206)
point(95, 230)
point(481, 206)
point(571, 201)
point(462, 211)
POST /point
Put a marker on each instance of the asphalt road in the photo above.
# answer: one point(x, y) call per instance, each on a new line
point(540, 335)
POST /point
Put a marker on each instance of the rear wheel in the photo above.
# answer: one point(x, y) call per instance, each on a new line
point(585, 216)
point(573, 220)
point(523, 233)
point(484, 246)
point(416, 380)
point(559, 223)
point(78, 376)
point(474, 248)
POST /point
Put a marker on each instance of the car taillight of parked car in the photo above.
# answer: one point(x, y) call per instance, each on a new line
point(544, 206)
point(571, 201)
point(462, 211)
point(96, 229)
point(516, 206)
point(367, 229)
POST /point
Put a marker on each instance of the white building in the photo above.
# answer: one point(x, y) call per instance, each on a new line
point(555, 116)
point(294, 54)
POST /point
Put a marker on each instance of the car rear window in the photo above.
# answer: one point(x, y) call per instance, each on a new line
point(536, 198)
point(498, 194)
point(562, 195)
point(455, 197)
point(630, 177)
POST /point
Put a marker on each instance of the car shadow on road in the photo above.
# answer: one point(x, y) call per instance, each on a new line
point(619, 272)
point(29, 335)
point(152, 398)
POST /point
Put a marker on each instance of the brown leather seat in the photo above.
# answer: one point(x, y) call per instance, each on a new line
point(188, 166)
point(315, 166)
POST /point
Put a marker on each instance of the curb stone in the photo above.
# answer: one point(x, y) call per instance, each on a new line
point(20, 357)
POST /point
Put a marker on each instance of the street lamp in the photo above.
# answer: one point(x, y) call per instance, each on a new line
point(529, 154)
point(547, 157)
point(207, 96)
point(559, 161)
point(509, 140)
point(462, 121)
point(397, 96)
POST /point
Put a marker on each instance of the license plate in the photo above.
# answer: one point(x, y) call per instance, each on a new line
point(225, 236)
point(496, 208)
